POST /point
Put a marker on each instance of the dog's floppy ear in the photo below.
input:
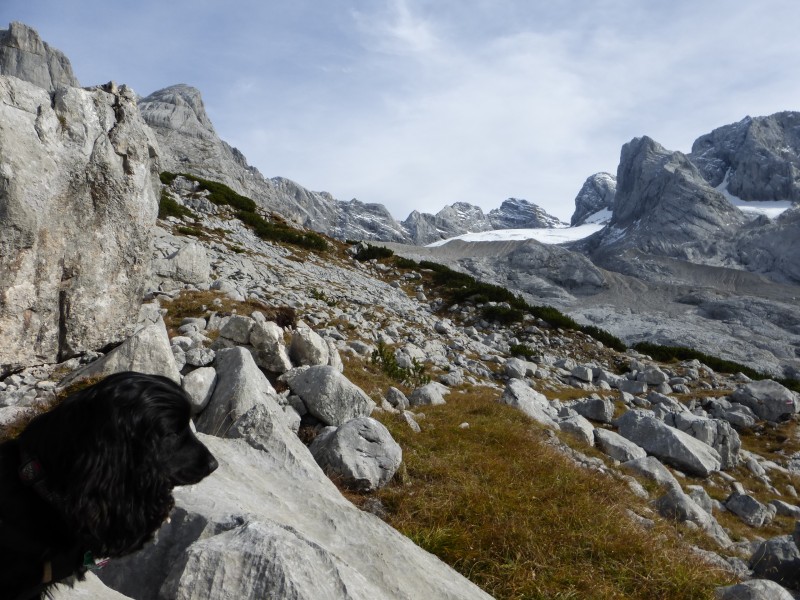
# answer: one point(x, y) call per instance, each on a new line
point(99, 453)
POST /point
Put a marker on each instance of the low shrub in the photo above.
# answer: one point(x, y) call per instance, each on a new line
point(368, 252)
point(522, 350)
point(405, 263)
point(413, 376)
point(169, 207)
point(502, 314)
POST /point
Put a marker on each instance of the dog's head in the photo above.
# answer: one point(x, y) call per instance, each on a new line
point(112, 453)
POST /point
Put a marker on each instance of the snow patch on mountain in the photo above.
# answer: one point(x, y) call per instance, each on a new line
point(559, 235)
point(769, 208)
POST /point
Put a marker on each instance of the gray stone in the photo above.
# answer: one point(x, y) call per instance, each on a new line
point(269, 351)
point(268, 524)
point(189, 264)
point(397, 398)
point(768, 399)
point(652, 468)
point(785, 509)
point(714, 432)
point(616, 446)
point(516, 368)
point(307, 347)
point(655, 376)
point(521, 396)
point(777, 559)
point(596, 409)
point(409, 419)
point(199, 356)
point(582, 373)
point(755, 589)
point(429, 394)
point(90, 589)
point(334, 360)
point(632, 387)
point(240, 386)
point(749, 510)
point(361, 453)
point(73, 161)
point(678, 506)
point(199, 385)
point(237, 329)
point(578, 427)
point(700, 496)
point(147, 351)
point(328, 395)
point(669, 444)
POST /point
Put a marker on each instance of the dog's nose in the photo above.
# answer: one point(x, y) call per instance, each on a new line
point(212, 464)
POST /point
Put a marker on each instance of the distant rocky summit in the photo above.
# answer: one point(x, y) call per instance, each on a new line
point(757, 158)
point(516, 213)
point(595, 196)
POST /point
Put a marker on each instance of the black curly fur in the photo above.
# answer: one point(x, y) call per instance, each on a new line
point(110, 455)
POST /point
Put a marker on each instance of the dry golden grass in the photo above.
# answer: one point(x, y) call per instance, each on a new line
point(202, 303)
point(521, 521)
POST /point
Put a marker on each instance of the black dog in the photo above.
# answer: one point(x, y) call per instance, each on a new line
point(93, 478)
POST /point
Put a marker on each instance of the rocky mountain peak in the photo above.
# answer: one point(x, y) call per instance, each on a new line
point(179, 108)
point(24, 55)
point(596, 194)
point(665, 188)
point(760, 157)
point(518, 213)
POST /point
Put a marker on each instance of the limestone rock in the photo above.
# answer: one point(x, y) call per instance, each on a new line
point(328, 395)
point(750, 510)
point(579, 427)
point(714, 432)
point(521, 396)
point(669, 444)
point(199, 385)
point(768, 399)
point(307, 347)
point(189, 264)
point(596, 409)
point(269, 350)
point(90, 589)
point(678, 506)
point(147, 351)
point(754, 589)
point(777, 559)
point(264, 527)
point(79, 161)
point(24, 55)
point(616, 446)
point(240, 386)
point(428, 394)
point(361, 452)
point(652, 468)
point(516, 213)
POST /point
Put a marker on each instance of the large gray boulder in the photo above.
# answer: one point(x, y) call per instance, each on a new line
point(240, 386)
point(430, 394)
point(534, 404)
point(90, 589)
point(24, 55)
point(328, 395)
point(778, 559)
point(78, 199)
point(269, 351)
point(669, 444)
point(716, 433)
point(269, 524)
point(755, 589)
point(768, 399)
point(189, 264)
point(361, 453)
point(651, 468)
point(616, 446)
point(307, 347)
point(750, 510)
point(677, 506)
point(146, 351)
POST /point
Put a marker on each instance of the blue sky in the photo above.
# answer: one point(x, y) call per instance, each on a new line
point(420, 103)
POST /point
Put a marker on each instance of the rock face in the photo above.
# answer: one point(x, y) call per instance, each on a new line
point(663, 203)
point(596, 195)
point(75, 162)
point(23, 54)
point(259, 530)
point(758, 158)
point(517, 213)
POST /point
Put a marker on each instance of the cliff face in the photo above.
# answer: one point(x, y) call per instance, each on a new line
point(24, 55)
point(78, 199)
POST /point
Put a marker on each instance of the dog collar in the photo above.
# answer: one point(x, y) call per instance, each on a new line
point(31, 473)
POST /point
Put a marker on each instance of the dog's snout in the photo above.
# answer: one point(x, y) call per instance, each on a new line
point(212, 464)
